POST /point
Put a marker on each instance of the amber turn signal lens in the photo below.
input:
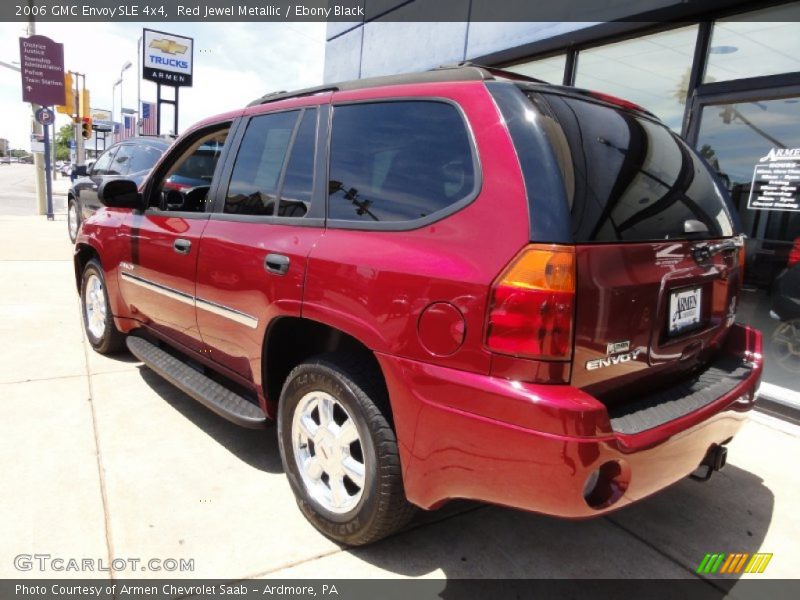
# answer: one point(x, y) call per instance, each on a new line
point(532, 304)
point(546, 267)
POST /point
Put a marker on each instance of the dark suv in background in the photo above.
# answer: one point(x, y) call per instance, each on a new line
point(452, 284)
point(132, 159)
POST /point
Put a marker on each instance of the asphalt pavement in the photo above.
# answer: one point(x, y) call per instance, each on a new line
point(101, 459)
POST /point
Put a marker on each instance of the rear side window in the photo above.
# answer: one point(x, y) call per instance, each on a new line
point(629, 178)
point(259, 162)
point(398, 161)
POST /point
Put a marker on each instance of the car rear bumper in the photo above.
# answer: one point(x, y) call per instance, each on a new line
point(535, 447)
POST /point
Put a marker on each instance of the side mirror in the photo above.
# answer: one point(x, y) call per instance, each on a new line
point(119, 193)
point(81, 171)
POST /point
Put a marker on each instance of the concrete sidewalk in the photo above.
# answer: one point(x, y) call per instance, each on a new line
point(101, 459)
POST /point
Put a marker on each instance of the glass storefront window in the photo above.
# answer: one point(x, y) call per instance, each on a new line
point(764, 42)
point(758, 142)
point(652, 71)
point(549, 69)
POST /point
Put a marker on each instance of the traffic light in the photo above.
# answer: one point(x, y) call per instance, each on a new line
point(83, 100)
point(69, 105)
point(86, 128)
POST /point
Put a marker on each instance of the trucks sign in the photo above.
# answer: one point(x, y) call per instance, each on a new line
point(42, 70)
point(167, 58)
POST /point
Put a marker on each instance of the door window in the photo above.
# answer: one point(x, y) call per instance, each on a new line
point(102, 164)
point(187, 181)
point(259, 163)
point(121, 163)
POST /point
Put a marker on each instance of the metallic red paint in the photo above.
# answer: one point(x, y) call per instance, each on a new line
point(470, 423)
point(534, 446)
point(231, 273)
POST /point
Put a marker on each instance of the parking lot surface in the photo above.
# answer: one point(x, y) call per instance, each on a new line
point(101, 459)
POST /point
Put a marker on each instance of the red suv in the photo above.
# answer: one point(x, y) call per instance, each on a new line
point(442, 285)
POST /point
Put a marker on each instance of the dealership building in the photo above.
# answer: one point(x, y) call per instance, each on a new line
point(723, 74)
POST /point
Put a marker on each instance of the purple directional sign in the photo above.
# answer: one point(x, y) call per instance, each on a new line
point(42, 70)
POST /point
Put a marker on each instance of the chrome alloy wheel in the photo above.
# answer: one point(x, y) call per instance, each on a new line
point(95, 306)
point(72, 220)
point(328, 452)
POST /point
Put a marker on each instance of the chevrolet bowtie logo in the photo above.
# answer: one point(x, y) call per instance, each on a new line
point(168, 46)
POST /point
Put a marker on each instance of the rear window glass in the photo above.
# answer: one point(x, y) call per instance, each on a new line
point(629, 178)
point(398, 161)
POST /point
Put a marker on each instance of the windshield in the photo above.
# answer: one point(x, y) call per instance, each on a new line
point(629, 178)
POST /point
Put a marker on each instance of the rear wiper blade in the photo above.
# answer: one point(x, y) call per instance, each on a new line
point(704, 252)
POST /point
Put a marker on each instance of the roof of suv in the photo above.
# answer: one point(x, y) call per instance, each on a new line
point(465, 71)
point(459, 72)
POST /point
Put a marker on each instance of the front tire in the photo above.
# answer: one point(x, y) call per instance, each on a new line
point(98, 322)
point(340, 452)
point(73, 219)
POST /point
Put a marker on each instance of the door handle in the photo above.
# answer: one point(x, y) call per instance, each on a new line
point(182, 246)
point(277, 263)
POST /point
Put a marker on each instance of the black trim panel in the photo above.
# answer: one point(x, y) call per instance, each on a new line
point(548, 209)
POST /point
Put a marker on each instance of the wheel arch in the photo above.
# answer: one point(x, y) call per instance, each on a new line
point(290, 341)
point(83, 254)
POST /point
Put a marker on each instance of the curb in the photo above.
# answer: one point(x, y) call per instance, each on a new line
point(779, 402)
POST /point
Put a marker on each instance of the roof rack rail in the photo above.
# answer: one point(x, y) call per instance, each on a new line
point(495, 72)
point(283, 94)
point(464, 71)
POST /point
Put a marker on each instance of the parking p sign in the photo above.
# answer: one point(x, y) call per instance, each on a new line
point(45, 116)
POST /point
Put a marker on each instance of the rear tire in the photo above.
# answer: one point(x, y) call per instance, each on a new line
point(98, 322)
point(339, 450)
point(73, 219)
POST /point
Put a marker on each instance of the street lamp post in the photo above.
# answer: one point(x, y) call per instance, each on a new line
point(114, 98)
point(125, 67)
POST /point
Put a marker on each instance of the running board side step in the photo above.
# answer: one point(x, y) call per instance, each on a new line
point(226, 403)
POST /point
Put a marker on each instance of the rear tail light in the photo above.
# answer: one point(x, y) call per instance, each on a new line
point(794, 253)
point(532, 304)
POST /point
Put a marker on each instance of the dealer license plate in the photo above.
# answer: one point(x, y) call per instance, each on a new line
point(684, 310)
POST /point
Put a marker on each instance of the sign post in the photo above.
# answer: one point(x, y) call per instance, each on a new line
point(42, 71)
point(47, 117)
point(167, 60)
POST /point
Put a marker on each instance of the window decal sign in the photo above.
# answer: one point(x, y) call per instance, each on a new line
point(776, 179)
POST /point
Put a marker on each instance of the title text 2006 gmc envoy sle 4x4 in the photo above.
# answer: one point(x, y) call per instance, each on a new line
point(452, 284)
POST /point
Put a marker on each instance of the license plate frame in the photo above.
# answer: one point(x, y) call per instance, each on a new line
point(685, 310)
